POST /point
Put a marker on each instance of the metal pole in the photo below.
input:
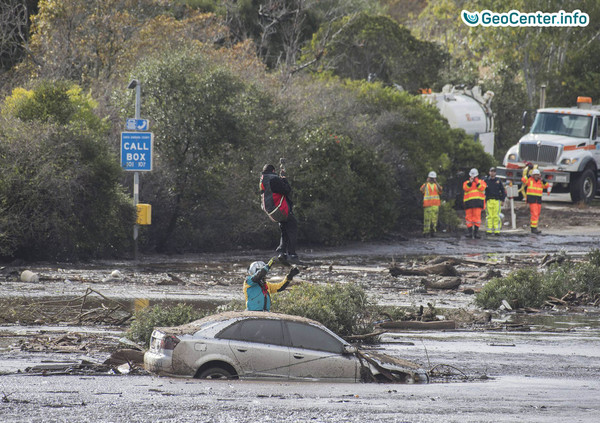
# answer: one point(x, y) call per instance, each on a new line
point(136, 175)
point(513, 216)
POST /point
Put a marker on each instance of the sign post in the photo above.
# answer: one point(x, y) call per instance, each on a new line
point(136, 152)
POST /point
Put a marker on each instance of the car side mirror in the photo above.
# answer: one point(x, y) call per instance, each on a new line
point(350, 349)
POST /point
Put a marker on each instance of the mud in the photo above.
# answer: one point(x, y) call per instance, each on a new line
point(514, 367)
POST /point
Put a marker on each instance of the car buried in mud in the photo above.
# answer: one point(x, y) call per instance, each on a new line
point(263, 345)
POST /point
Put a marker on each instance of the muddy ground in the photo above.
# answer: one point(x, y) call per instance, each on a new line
point(497, 365)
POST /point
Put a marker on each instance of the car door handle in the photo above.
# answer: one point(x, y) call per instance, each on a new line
point(298, 356)
point(242, 349)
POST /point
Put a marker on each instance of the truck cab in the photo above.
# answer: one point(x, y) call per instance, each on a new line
point(565, 145)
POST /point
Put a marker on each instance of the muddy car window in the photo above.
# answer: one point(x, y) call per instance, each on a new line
point(310, 337)
point(267, 331)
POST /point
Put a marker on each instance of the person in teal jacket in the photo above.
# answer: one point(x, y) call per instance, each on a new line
point(258, 291)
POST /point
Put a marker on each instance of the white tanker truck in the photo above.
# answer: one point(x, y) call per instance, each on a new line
point(564, 144)
point(467, 109)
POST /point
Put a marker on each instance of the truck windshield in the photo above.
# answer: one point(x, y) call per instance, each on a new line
point(562, 124)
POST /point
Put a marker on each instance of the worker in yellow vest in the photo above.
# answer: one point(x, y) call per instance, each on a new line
point(474, 201)
point(431, 204)
point(534, 188)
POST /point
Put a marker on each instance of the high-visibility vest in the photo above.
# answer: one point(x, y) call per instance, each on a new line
point(431, 196)
point(534, 189)
point(474, 194)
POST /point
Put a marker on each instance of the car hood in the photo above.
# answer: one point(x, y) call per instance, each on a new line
point(394, 364)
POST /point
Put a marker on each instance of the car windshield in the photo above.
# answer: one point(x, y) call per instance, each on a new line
point(562, 124)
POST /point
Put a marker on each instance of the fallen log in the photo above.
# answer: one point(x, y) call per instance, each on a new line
point(456, 260)
point(442, 269)
point(446, 283)
point(364, 336)
point(412, 324)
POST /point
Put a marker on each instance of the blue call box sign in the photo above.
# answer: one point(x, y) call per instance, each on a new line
point(136, 151)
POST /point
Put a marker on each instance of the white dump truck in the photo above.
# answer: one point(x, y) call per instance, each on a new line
point(564, 145)
point(467, 109)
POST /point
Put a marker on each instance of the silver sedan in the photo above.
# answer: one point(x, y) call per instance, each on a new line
point(262, 345)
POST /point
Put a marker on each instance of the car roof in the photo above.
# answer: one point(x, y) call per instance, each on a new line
point(234, 315)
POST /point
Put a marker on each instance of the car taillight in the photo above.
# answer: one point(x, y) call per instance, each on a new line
point(169, 342)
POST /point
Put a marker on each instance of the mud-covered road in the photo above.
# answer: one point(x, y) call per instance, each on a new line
point(535, 368)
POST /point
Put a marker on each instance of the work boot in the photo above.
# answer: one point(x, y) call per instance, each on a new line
point(433, 234)
point(476, 233)
point(535, 231)
point(283, 258)
point(470, 232)
point(425, 234)
point(293, 259)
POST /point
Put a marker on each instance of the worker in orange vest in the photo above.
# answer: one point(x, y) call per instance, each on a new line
point(534, 188)
point(474, 201)
point(431, 204)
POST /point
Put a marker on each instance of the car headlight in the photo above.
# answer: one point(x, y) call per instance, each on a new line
point(568, 161)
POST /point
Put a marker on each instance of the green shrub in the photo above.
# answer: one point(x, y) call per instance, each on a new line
point(531, 288)
point(145, 320)
point(448, 219)
point(343, 191)
point(522, 288)
point(343, 308)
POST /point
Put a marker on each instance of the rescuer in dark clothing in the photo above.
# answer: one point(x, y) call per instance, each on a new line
point(277, 203)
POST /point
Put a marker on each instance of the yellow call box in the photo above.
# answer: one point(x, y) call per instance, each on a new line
point(144, 214)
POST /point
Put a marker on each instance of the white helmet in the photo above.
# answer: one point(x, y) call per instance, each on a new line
point(473, 173)
point(432, 174)
point(536, 172)
point(255, 267)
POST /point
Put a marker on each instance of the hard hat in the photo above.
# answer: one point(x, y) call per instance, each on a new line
point(536, 172)
point(255, 267)
point(473, 173)
point(432, 174)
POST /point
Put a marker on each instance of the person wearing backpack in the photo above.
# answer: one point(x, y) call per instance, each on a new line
point(276, 201)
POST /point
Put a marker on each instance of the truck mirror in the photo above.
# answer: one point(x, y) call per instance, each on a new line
point(524, 120)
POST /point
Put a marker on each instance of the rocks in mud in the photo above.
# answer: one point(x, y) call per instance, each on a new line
point(29, 276)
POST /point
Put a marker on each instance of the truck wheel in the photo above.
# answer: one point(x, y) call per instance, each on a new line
point(583, 187)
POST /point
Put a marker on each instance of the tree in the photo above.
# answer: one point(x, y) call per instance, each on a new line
point(376, 47)
point(81, 40)
point(60, 196)
point(13, 32)
point(343, 190)
point(281, 28)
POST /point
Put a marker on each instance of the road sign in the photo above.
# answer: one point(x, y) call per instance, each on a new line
point(136, 151)
point(137, 124)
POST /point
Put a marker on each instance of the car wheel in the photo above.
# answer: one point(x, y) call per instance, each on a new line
point(583, 188)
point(216, 373)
